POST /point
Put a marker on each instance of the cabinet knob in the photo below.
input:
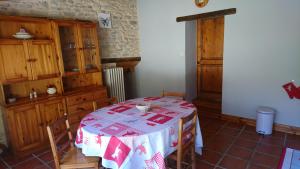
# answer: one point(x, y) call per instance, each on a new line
point(31, 60)
point(80, 108)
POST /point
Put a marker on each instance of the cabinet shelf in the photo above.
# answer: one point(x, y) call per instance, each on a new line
point(27, 100)
point(93, 70)
point(82, 89)
point(12, 40)
point(16, 80)
point(89, 48)
point(74, 73)
point(70, 73)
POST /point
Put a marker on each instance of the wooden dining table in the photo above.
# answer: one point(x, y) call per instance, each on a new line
point(125, 137)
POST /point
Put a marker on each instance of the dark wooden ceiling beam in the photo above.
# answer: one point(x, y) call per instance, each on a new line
point(207, 15)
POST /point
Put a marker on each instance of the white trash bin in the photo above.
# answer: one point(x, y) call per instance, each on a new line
point(264, 120)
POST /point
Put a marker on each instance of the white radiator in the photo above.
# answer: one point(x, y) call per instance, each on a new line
point(114, 81)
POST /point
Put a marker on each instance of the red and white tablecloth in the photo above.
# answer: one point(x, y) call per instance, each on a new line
point(127, 138)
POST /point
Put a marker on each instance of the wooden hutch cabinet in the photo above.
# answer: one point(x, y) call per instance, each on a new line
point(62, 53)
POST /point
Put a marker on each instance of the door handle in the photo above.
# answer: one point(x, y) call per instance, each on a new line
point(80, 108)
point(31, 60)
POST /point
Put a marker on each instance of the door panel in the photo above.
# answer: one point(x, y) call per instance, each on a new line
point(14, 65)
point(43, 59)
point(212, 38)
point(211, 78)
point(26, 125)
point(50, 112)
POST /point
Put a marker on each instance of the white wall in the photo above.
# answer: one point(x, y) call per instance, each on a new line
point(261, 53)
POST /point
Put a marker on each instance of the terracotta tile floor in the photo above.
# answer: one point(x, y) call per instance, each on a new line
point(234, 146)
point(226, 146)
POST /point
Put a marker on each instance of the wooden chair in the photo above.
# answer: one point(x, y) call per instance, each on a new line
point(65, 154)
point(97, 104)
point(186, 140)
point(173, 94)
point(74, 120)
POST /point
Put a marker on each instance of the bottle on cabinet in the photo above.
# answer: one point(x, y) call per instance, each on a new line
point(32, 94)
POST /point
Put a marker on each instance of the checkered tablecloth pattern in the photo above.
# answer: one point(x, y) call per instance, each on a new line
point(127, 138)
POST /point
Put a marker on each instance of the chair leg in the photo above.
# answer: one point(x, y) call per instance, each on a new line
point(193, 158)
point(178, 163)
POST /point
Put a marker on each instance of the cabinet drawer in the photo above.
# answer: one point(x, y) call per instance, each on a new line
point(71, 100)
point(83, 107)
point(100, 94)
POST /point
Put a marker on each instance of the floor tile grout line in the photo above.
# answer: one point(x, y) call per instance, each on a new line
point(253, 153)
point(236, 157)
point(228, 148)
point(244, 148)
point(276, 137)
point(261, 142)
point(19, 162)
point(216, 133)
point(274, 145)
point(5, 163)
point(219, 130)
point(42, 161)
point(22, 161)
point(43, 153)
point(206, 162)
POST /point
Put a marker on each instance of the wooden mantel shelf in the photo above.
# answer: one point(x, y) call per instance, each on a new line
point(207, 15)
point(128, 63)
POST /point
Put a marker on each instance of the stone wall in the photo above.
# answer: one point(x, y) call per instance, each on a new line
point(122, 40)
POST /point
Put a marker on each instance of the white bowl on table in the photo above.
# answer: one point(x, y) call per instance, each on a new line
point(143, 107)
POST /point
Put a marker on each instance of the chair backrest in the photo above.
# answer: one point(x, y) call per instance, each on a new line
point(74, 120)
point(186, 134)
point(173, 94)
point(60, 137)
point(97, 104)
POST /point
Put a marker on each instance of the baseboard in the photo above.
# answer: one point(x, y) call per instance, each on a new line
point(252, 122)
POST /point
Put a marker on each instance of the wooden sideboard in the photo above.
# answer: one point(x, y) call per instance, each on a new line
point(62, 53)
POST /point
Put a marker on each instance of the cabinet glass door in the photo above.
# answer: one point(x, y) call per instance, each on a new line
point(69, 48)
point(90, 48)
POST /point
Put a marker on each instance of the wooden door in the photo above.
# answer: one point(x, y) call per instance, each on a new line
point(210, 39)
point(14, 65)
point(50, 111)
point(25, 128)
point(43, 59)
